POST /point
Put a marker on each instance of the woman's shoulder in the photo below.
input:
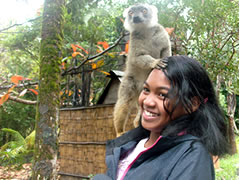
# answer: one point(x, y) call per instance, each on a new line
point(192, 158)
point(192, 146)
point(190, 141)
point(186, 143)
point(185, 150)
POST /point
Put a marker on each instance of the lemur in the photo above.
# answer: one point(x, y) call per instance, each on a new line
point(149, 42)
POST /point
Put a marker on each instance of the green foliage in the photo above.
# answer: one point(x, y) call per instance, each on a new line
point(209, 32)
point(87, 23)
point(17, 151)
point(20, 49)
point(229, 166)
point(19, 140)
point(17, 116)
point(223, 102)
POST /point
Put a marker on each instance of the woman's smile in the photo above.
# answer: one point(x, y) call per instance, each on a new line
point(154, 99)
point(149, 116)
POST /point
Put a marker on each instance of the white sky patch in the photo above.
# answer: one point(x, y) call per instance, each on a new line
point(18, 11)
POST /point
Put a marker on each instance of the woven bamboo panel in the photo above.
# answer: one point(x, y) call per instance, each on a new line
point(82, 159)
point(83, 133)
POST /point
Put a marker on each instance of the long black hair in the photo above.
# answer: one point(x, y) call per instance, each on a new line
point(189, 80)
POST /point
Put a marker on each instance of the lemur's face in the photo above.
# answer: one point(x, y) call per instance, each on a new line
point(139, 15)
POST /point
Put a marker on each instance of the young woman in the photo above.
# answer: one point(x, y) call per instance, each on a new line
point(181, 127)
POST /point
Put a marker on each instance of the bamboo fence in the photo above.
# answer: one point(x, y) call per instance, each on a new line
point(82, 141)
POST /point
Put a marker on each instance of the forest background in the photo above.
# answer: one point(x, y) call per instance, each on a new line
point(206, 30)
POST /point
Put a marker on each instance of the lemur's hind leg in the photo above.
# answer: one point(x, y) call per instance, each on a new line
point(127, 98)
point(137, 119)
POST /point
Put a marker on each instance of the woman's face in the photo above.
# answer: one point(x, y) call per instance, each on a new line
point(151, 99)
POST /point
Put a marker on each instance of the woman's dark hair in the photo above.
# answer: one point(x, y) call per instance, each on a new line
point(190, 83)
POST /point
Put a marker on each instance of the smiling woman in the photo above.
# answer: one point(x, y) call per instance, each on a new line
point(181, 127)
point(153, 102)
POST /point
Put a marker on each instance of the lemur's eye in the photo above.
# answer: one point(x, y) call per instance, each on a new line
point(130, 13)
point(144, 11)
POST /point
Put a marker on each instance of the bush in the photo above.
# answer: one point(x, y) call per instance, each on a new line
point(18, 151)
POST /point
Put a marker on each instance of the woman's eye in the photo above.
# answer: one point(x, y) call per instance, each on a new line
point(145, 89)
point(162, 95)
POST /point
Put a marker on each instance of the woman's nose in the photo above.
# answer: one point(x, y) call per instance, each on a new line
point(149, 101)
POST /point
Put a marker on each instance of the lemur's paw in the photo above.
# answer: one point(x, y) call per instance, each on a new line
point(160, 64)
point(119, 134)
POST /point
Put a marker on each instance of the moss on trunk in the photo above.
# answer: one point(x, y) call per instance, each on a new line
point(46, 145)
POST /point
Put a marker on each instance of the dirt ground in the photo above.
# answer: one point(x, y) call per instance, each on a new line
point(13, 174)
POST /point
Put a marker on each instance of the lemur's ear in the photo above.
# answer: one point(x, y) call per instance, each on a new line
point(154, 9)
point(125, 12)
point(154, 15)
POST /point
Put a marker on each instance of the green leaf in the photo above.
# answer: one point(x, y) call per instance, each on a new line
point(15, 134)
point(66, 58)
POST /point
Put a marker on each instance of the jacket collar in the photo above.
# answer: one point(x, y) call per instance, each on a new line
point(135, 135)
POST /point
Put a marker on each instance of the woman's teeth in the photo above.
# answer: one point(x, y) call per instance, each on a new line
point(151, 114)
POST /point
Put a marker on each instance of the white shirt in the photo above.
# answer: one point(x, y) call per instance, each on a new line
point(124, 164)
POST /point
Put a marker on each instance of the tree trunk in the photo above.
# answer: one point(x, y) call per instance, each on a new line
point(47, 114)
point(86, 84)
point(218, 85)
point(231, 101)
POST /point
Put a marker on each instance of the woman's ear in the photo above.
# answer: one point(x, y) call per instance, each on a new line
point(195, 103)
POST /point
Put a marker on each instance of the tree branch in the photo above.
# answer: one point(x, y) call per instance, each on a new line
point(95, 56)
point(230, 58)
point(19, 86)
point(3, 82)
point(19, 100)
point(4, 29)
point(230, 36)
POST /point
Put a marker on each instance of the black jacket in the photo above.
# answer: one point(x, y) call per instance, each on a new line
point(173, 158)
